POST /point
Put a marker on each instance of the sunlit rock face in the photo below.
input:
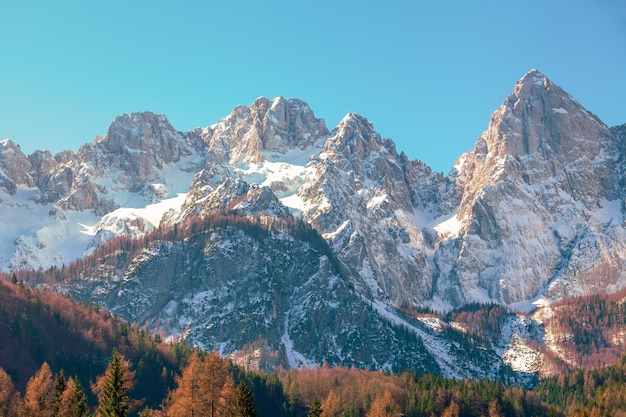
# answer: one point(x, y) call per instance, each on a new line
point(534, 208)
point(540, 202)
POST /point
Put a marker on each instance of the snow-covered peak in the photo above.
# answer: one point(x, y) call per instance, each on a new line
point(265, 127)
point(7, 145)
point(354, 138)
point(533, 76)
point(6, 142)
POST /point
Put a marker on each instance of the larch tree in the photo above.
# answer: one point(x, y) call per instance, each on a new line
point(384, 406)
point(243, 402)
point(453, 410)
point(112, 388)
point(73, 401)
point(219, 385)
point(495, 408)
point(332, 405)
point(184, 401)
point(10, 401)
point(205, 388)
point(39, 397)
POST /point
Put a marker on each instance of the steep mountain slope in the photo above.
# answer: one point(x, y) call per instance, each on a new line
point(540, 203)
point(533, 212)
point(40, 326)
point(226, 283)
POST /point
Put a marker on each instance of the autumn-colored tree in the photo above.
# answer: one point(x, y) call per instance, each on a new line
point(10, 401)
point(453, 410)
point(73, 401)
point(112, 388)
point(331, 405)
point(39, 397)
point(316, 408)
point(184, 401)
point(243, 402)
point(495, 409)
point(384, 406)
point(204, 388)
point(219, 385)
point(147, 412)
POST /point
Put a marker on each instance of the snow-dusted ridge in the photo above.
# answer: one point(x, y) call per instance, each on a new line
point(533, 213)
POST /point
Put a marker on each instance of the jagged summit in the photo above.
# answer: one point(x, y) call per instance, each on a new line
point(539, 116)
point(267, 126)
point(533, 76)
point(534, 210)
point(543, 168)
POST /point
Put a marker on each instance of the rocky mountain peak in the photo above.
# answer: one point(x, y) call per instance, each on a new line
point(15, 168)
point(143, 132)
point(355, 139)
point(539, 117)
point(543, 159)
point(267, 126)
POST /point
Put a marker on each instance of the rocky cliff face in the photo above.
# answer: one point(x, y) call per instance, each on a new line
point(535, 210)
point(267, 127)
point(363, 199)
point(540, 209)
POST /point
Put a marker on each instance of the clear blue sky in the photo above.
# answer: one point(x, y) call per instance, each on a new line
point(426, 74)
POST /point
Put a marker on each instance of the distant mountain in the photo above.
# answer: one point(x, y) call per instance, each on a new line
point(533, 214)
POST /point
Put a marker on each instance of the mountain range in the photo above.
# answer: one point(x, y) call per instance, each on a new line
point(268, 236)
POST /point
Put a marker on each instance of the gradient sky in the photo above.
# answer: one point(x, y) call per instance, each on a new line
point(426, 74)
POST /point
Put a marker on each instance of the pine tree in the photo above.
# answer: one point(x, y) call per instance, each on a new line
point(243, 402)
point(39, 397)
point(112, 388)
point(316, 408)
point(59, 386)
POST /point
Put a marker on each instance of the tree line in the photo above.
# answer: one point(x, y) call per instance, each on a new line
point(117, 253)
point(205, 388)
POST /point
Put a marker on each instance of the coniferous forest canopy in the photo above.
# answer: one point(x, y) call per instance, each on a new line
point(61, 358)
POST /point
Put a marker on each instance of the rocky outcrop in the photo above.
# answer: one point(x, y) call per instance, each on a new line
point(538, 190)
point(15, 168)
point(267, 127)
point(535, 208)
point(362, 199)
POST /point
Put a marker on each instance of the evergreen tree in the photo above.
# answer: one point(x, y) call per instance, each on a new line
point(316, 408)
point(39, 397)
point(59, 386)
point(243, 402)
point(112, 388)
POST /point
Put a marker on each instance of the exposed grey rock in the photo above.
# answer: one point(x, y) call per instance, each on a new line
point(536, 209)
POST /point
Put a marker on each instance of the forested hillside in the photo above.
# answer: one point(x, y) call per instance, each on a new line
point(61, 352)
point(42, 326)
